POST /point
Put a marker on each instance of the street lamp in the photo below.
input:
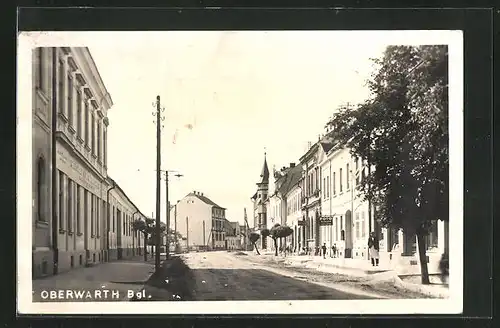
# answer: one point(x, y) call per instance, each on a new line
point(178, 175)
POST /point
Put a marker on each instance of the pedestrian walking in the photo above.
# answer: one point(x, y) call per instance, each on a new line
point(373, 246)
point(444, 267)
point(334, 250)
point(323, 248)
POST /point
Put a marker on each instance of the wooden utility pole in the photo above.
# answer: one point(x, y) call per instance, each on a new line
point(158, 179)
point(167, 231)
point(204, 232)
point(55, 228)
point(187, 233)
point(175, 224)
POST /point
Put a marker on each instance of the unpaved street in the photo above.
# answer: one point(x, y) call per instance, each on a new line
point(224, 276)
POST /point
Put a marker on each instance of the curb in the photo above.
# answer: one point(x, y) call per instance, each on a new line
point(397, 281)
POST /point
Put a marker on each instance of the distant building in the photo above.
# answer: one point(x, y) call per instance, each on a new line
point(259, 206)
point(233, 236)
point(200, 221)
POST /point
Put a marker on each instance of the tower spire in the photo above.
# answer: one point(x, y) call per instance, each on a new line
point(265, 170)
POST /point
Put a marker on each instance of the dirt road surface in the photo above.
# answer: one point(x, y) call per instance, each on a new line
point(223, 276)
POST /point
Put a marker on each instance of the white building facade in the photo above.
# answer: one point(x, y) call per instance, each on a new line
point(341, 174)
point(70, 225)
point(294, 215)
point(200, 221)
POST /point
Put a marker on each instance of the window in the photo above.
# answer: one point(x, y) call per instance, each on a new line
point(114, 218)
point(61, 200)
point(70, 99)
point(340, 180)
point(60, 86)
point(79, 112)
point(336, 228)
point(363, 225)
point(87, 122)
point(333, 183)
point(328, 186)
point(324, 187)
point(98, 216)
point(347, 176)
point(70, 205)
point(78, 210)
point(105, 141)
point(85, 205)
point(40, 193)
point(92, 215)
point(99, 140)
point(92, 144)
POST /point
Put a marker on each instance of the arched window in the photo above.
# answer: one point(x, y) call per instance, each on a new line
point(40, 194)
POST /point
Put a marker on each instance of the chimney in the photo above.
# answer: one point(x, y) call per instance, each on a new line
point(292, 164)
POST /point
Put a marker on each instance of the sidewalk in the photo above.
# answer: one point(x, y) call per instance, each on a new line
point(362, 268)
point(110, 281)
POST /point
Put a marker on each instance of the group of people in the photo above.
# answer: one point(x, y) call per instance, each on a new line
point(373, 248)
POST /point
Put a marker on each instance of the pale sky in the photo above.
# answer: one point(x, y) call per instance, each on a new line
point(242, 92)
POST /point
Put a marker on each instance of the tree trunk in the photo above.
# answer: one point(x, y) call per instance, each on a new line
point(423, 258)
point(145, 248)
point(275, 246)
point(256, 249)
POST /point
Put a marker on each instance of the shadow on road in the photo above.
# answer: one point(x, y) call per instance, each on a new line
point(255, 284)
point(177, 282)
point(173, 283)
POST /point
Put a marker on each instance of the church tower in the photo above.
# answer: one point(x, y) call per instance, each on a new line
point(260, 217)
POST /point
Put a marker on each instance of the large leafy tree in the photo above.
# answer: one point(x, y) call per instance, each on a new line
point(402, 132)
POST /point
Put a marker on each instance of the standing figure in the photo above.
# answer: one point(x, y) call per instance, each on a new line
point(334, 249)
point(323, 248)
point(373, 247)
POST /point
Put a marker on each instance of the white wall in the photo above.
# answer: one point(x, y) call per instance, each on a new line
point(197, 211)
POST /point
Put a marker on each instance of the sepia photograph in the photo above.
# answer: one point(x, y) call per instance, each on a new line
point(240, 172)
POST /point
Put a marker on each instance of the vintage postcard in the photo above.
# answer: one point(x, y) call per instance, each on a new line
point(240, 172)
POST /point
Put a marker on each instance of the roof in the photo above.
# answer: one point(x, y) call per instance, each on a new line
point(290, 179)
point(309, 152)
point(205, 199)
point(265, 172)
point(117, 186)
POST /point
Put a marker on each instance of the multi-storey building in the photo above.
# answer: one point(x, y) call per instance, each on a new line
point(70, 193)
point(311, 201)
point(353, 220)
point(259, 205)
point(279, 204)
point(293, 195)
point(200, 221)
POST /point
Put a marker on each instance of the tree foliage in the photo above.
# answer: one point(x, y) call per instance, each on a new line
point(279, 231)
point(254, 236)
point(402, 131)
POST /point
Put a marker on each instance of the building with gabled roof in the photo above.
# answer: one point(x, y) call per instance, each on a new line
point(201, 221)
